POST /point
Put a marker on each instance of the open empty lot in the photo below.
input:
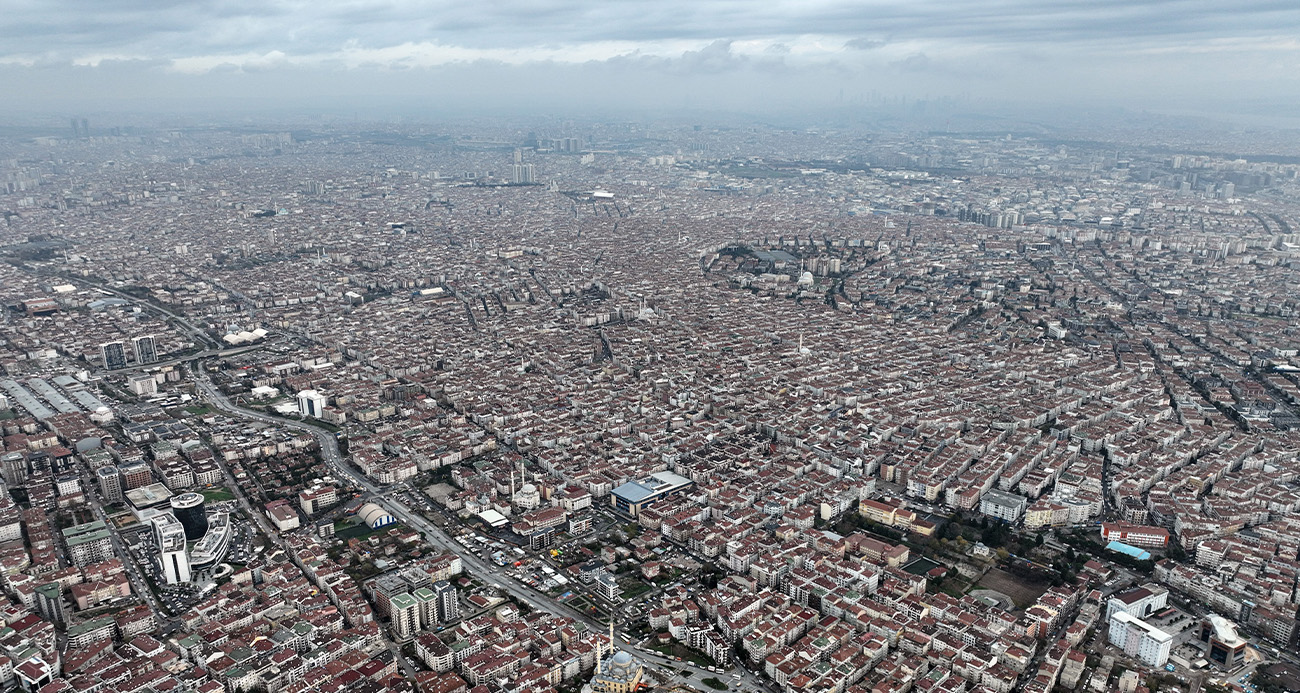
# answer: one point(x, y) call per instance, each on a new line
point(1024, 593)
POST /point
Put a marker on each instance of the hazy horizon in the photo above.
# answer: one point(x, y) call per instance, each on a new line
point(1234, 62)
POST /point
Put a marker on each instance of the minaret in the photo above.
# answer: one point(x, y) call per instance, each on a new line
point(611, 635)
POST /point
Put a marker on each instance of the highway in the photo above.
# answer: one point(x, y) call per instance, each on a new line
point(329, 445)
point(198, 356)
point(199, 335)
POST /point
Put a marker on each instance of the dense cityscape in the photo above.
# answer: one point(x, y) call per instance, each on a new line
point(568, 406)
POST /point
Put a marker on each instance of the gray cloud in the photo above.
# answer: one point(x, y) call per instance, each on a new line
point(916, 62)
point(171, 28)
point(726, 52)
point(863, 44)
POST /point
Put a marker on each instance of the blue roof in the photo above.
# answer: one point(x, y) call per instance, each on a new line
point(1133, 551)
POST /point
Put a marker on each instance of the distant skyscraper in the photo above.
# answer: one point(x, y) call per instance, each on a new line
point(114, 355)
point(85, 128)
point(170, 534)
point(146, 350)
point(523, 173)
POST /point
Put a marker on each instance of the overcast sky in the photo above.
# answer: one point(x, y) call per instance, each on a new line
point(1176, 55)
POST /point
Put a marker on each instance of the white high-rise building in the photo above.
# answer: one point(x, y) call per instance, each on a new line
point(404, 611)
point(170, 534)
point(146, 349)
point(311, 403)
point(1139, 639)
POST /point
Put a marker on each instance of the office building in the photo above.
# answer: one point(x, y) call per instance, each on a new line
point(325, 528)
point(448, 601)
point(190, 511)
point(407, 580)
point(209, 550)
point(1139, 639)
point(606, 586)
point(113, 355)
point(311, 403)
point(146, 349)
point(1227, 648)
point(69, 484)
point(170, 536)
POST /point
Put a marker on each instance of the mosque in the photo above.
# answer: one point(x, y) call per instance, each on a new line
point(620, 673)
